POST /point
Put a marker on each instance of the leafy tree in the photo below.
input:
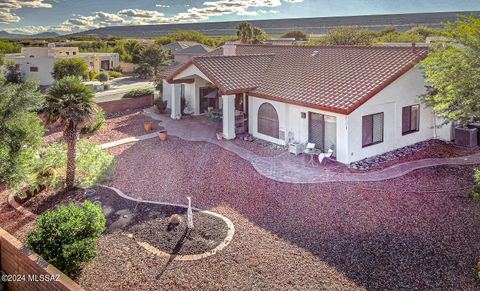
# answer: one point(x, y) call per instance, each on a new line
point(346, 35)
point(70, 67)
point(12, 72)
point(156, 57)
point(7, 47)
point(144, 71)
point(453, 74)
point(245, 32)
point(67, 237)
point(20, 129)
point(133, 49)
point(71, 103)
point(296, 34)
point(189, 35)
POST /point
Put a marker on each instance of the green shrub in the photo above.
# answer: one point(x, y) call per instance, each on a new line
point(138, 92)
point(67, 237)
point(103, 77)
point(99, 121)
point(115, 74)
point(118, 69)
point(161, 104)
point(92, 75)
point(94, 165)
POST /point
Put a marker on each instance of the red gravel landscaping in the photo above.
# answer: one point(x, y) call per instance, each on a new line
point(121, 125)
point(420, 231)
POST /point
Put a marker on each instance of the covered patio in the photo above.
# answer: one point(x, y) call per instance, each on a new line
point(214, 86)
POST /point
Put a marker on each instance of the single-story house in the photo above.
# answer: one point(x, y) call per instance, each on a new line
point(359, 101)
point(38, 62)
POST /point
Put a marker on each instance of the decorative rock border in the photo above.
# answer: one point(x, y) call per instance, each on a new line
point(148, 247)
point(226, 241)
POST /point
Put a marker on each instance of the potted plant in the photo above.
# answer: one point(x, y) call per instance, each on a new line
point(162, 135)
point(148, 126)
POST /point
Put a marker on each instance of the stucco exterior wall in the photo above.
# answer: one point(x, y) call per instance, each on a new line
point(403, 92)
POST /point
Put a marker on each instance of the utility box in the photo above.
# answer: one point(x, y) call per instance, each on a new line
point(295, 148)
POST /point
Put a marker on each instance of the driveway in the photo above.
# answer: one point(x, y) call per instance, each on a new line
point(417, 231)
point(120, 86)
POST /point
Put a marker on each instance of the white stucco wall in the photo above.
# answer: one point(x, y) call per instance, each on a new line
point(291, 121)
point(404, 91)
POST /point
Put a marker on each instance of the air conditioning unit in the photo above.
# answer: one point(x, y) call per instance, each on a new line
point(295, 148)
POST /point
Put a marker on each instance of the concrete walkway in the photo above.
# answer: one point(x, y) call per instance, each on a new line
point(284, 167)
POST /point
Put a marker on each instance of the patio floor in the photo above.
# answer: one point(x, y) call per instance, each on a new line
point(288, 168)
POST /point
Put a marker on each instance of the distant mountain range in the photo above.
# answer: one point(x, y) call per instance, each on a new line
point(4, 34)
point(318, 25)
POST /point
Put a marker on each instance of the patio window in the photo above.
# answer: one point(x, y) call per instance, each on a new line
point(372, 129)
point(268, 120)
point(410, 119)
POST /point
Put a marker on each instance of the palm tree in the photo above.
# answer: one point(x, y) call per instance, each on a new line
point(245, 32)
point(133, 48)
point(71, 103)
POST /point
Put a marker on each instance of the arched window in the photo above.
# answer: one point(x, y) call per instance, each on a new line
point(268, 120)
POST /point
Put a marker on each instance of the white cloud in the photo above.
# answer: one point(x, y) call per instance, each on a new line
point(7, 8)
point(209, 9)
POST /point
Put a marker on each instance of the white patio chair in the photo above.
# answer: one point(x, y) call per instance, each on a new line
point(322, 156)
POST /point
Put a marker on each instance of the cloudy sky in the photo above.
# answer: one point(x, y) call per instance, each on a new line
point(66, 16)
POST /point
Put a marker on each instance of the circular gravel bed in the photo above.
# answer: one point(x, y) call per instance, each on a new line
point(161, 226)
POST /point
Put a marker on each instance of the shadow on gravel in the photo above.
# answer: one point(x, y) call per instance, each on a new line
point(386, 238)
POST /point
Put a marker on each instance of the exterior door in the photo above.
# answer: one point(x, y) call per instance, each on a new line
point(316, 130)
point(268, 123)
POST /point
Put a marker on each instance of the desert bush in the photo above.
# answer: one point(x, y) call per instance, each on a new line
point(114, 74)
point(161, 104)
point(67, 237)
point(475, 194)
point(138, 92)
point(103, 77)
point(94, 165)
point(144, 71)
point(97, 124)
point(92, 75)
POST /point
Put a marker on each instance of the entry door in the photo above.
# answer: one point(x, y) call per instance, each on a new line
point(316, 130)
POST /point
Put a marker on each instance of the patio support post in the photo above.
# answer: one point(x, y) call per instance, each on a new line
point(228, 116)
point(176, 103)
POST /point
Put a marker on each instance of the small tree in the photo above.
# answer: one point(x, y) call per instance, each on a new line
point(20, 130)
point(156, 57)
point(133, 49)
point(296, 34)
point(453, 74)
point(103, 77)
point(12, 72)
point(144, 71)
point(346, 35)
point(71, 103)
point(67, 237)
point(70, 67)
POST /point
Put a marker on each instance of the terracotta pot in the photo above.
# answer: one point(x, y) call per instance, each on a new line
point(148, 126)
point(162, 135)
point(219, 135)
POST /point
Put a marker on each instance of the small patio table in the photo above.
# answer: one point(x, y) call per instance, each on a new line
point(312, 153)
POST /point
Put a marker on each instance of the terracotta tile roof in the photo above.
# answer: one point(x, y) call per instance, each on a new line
point(198, 49)
point(335, 78)
point(234, 74)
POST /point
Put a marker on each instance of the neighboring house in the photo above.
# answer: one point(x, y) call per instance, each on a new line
point(38, 62)
point(179, 45)
point(359, 101)
point(284, 41)
point(182, 56)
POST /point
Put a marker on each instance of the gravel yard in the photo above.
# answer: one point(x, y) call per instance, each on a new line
point(117, 126)
point(419, 231)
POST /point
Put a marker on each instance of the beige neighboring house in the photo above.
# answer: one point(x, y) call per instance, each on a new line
point(38, 62)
